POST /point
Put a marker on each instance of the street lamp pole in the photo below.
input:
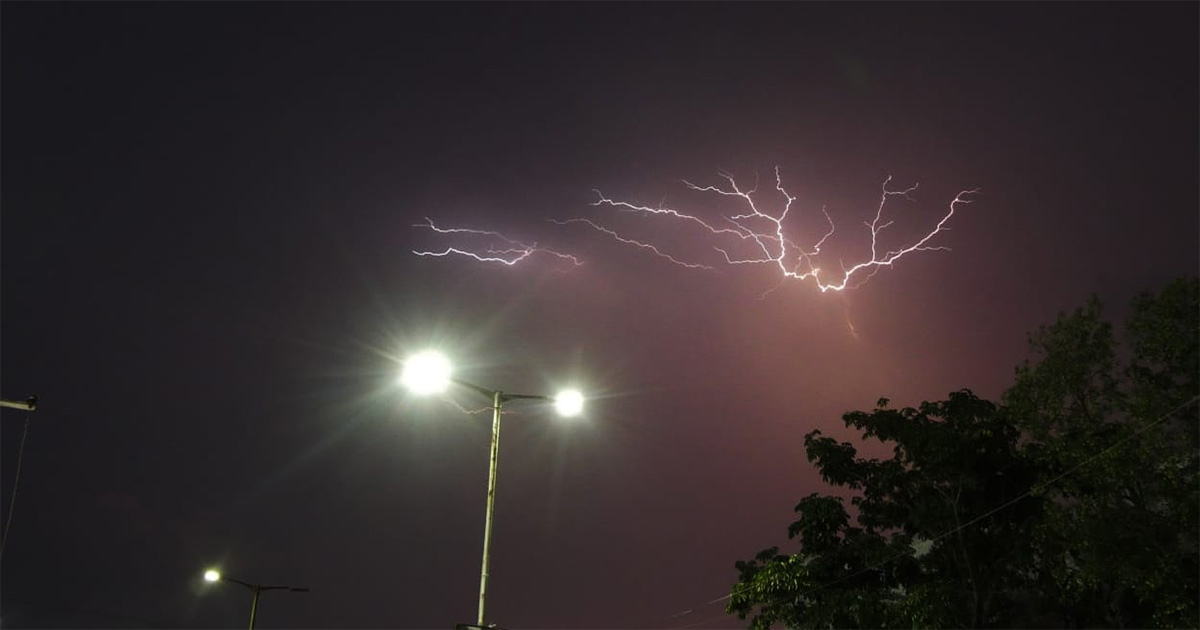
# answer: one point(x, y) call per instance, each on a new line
point(498, 400)
point(497, 403)
point(254, 604)
point(257, 589)
point(429, 372)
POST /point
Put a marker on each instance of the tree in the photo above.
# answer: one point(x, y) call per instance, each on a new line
point(1117, 448)
point(911, 560)
point(1076, 503)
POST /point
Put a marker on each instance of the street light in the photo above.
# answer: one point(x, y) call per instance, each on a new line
point(213, 575)
point(430, 372)
point(426, 373)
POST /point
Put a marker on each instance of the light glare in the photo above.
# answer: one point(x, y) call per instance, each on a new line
point(212, 576)
point(569, 402)
point(426, 373)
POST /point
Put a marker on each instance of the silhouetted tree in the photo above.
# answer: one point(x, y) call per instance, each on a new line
point(1074, 504)
point(925, 551)
point(1116, 444)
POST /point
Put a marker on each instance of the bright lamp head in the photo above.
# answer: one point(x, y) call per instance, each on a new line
point(569, 402)
point(426, 372)
point(212, 575)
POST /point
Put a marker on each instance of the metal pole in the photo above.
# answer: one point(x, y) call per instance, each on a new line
point(497, 401)
point(254, 605)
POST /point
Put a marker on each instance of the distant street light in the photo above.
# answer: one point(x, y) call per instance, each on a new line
point(212, 575)
point(430, 372)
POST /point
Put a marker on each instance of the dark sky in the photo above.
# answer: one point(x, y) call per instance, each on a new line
point(207, 277)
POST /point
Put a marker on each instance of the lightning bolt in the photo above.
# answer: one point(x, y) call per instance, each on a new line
point(630, 241)
point(770, 243)
point(846, 313)
point(510, 253)
point(762, 236)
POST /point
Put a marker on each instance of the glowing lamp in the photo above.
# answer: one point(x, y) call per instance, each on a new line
point(569, 402)
point(426, 373)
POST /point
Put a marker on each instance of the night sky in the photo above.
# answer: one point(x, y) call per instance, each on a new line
point(208, 279)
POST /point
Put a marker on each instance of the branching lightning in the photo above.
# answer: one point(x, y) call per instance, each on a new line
point(470, 412)
point(510, 253)
point(770, 244)
point(752, 235)
point(630, 241)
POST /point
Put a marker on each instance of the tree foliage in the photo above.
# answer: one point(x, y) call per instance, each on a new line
point(1074, 503)
point(1117, 541)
